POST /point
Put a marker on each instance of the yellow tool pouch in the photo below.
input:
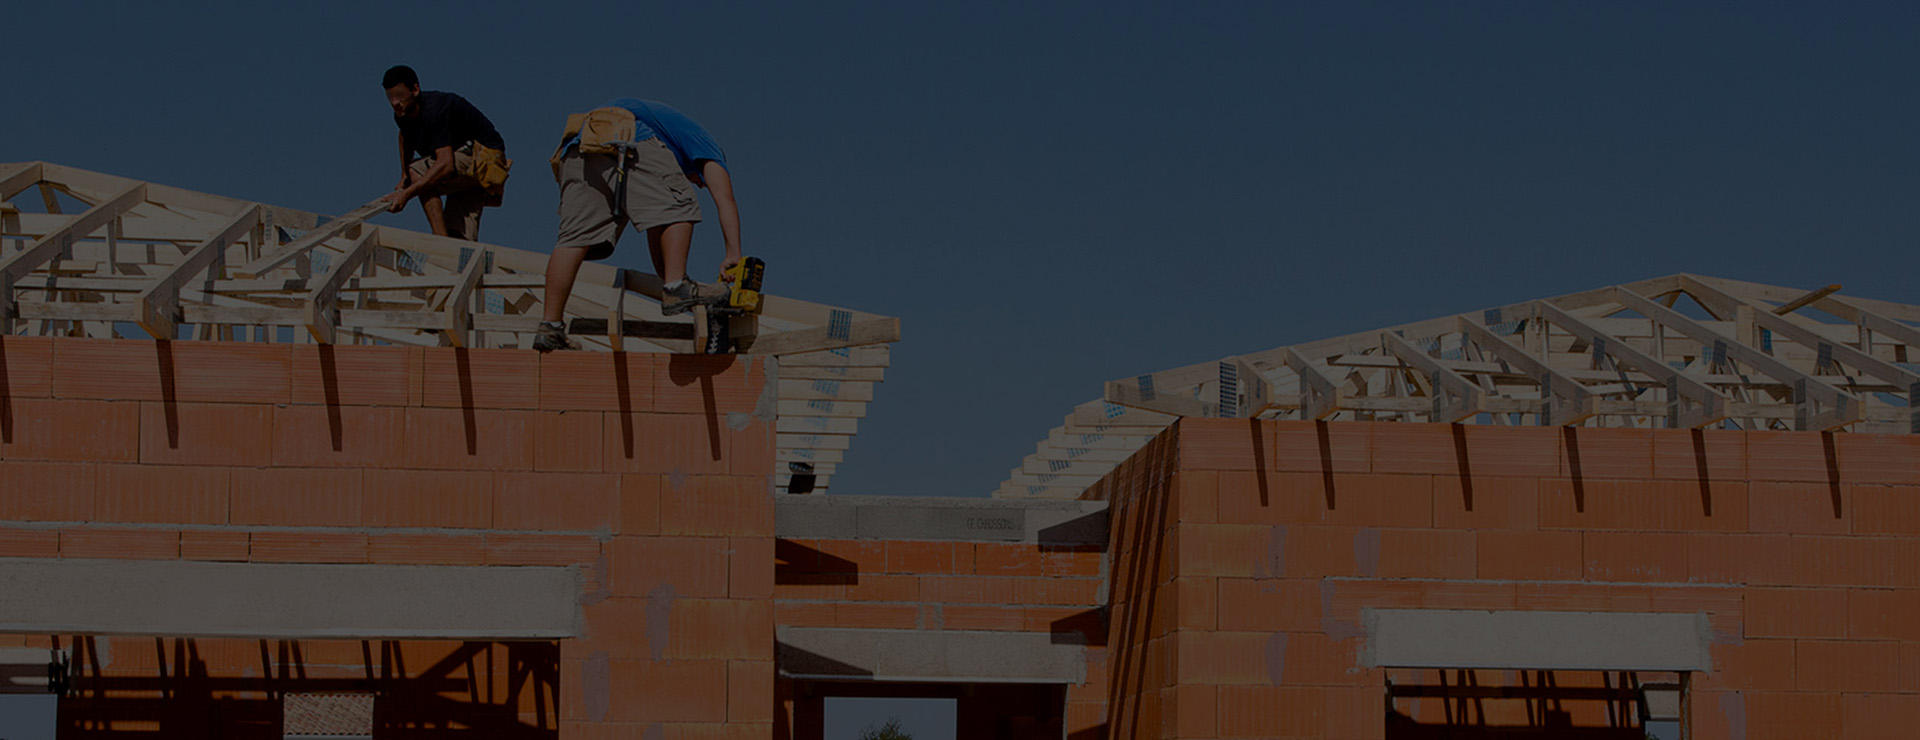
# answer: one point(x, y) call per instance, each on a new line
point(599, 129)
point(490, 168)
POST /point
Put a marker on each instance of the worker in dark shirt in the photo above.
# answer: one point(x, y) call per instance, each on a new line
point(461, 156)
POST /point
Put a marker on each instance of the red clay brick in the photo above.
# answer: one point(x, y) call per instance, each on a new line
point(1314, 659)
point(750, 567)
point(871, 587)
point(861, 556)
point(1321, 447)
point(505, 548)
point(556, 501)
point(459, 378)
point(1855, 561)
point(1763, 665)
point(26, 364)
point(428, 549)
point(618, 626)
point(1693, 454)
point(966, 589)
point(1356, 713)
point(1426, 553)
point(1417, 449)
point(596, 381)
point(997, 559)
point(716, 505)
point(669, 691)
point(338, 436)
point(1519, 452)
point(1885, 509)
point(1635, 556)
point(740, 629)
point(29, 543)
point(306, 497)
point(206, 434)
point(1051, 591)
point(1565, 597)
point(128, 369)
point(1266, 711)
point(1593, 453)
point(1263, 497)
point(214, 545)
point(427, 498)
point(1665, 506)
point(1381, 500)
point(1877, 614)
point(73, 430)
point(1196, 498)
point(568, 441)
point(1488, 503)
point(750, 449)
point(1003, 619)
point(462, 439)
point(46, 491)
point(1796, 612)
point(1079, 561)
point(1350, 597)
point(1194, 711)
point(132, 544)
point(1878, 716)
point(718, 384)
point(1758, 559)
point(696, 567)
point(161, 494)
point(309, 547)
point(1255, 605)
point(1835, 666)
point(639, 504)
point(1879, 458)
point(1527, 556)
point(1478, 595)
point(1801, 508)
point(1223, 444)
point(821, 614)
point(750, 692)
point(355, 375)
point(683, 444)
point(1791, 456)
point(1227, 550)
point(1220, 658)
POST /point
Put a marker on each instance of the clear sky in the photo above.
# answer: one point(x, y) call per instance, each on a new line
point(1054, 195)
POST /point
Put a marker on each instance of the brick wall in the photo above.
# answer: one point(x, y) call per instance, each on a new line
point(938, 585)
point(650, 473)
point(1272, 536)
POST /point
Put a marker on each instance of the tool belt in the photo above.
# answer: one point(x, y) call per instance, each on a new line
point(489, 167)
point(600, 130)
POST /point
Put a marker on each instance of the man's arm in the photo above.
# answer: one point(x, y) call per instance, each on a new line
point(404, 162)
point(442, 166)
point(720, 186)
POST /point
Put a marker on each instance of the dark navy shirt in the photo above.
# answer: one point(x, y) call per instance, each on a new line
point(446, 119)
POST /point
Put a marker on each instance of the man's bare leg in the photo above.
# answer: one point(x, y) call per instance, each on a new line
point(562, 267)
point(436, 218)
point(668, 246)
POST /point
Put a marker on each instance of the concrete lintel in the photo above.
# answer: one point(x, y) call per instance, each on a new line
point(178, 598)
point(1062, 523)
point(943, 655)
point(1612, 641)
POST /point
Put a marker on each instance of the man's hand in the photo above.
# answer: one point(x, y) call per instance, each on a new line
point(726, 268)
point(396, 200)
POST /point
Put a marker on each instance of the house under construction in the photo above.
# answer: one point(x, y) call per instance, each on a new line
point(268, 474)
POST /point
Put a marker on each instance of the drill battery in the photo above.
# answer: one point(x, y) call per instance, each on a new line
point(746, 274)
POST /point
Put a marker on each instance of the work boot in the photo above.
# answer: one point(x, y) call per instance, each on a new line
point(691, 293)
point(552, 336)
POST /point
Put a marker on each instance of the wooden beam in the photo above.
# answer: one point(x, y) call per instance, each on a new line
point(1320, 395)
point(16, 178)
point(1569, 402)
point(874, 331)
point(1454, 396)
point(1691, 404)
point(459, 309)
point(15, 266)
point(159, 302)
point(322, 307)
point(337, 227)
point(1801, 302)
point(1823, 407)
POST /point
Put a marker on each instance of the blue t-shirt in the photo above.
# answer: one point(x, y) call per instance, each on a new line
point(687, 140)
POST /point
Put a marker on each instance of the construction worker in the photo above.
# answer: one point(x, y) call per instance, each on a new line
point(636, 162)
point(461, 156)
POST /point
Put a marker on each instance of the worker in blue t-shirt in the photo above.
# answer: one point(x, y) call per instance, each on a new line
point(668, 157)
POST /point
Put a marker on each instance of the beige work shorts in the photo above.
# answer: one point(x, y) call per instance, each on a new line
point(464, 195)
point(658, 193)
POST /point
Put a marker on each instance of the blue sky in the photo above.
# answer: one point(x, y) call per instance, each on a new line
point(1053, 196)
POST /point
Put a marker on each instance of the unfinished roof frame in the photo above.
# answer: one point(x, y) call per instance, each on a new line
point(1618, 356)
point(145, 260)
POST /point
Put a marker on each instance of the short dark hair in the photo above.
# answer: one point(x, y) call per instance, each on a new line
point(399, 74)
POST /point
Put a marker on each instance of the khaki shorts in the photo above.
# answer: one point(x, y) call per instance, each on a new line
point(464, 195)
point(658, 193)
